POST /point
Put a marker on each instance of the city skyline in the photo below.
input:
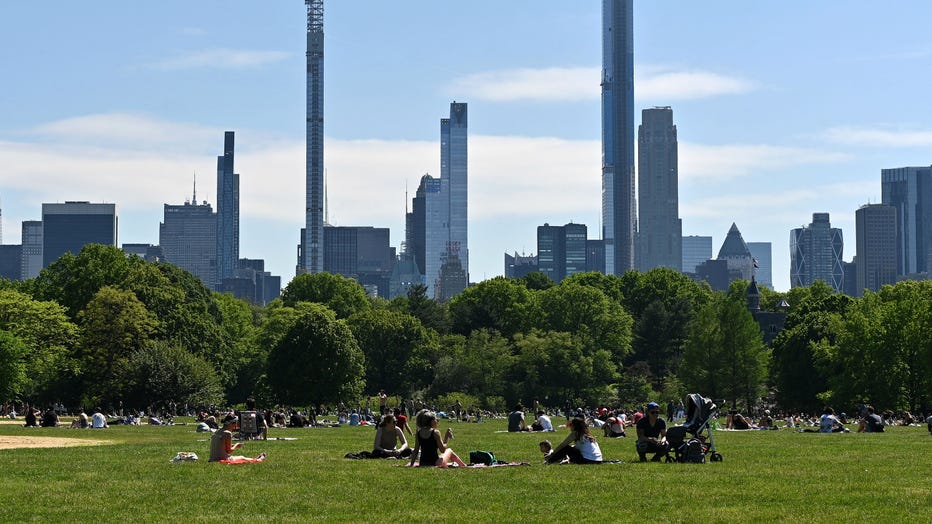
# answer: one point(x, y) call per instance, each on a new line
point(799, 118)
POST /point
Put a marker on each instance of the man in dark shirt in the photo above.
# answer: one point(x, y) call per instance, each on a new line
point(516, 420)
point(871, 423)
point(652, 432)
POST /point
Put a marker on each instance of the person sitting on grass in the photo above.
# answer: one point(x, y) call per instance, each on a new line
point(543, 421)
point(579, 446)
point(516, 420)
point(738, 421)
point(614, 426)
point(221, 443)
point(49, 419)
point(829, 423)
point(871, 423)
point(433, 450)
point(652, 434)
point(98, 420)
point(387, 439)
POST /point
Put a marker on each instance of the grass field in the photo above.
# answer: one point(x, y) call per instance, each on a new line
point(765, 476)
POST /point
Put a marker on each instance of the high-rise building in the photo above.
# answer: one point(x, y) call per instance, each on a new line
point(518, 266)
point(227, 211)
point(562, 251)
point(619, 207)
point(762, 253)
point(816, 254)
point(436, 228)
point(310, 251)
point(735, 253)
point(11, 261)
point(188, 237)
point(68, 227)
point(696, 250)
point(595, 255)
point(361, 253)
point(454, 170)
point(32, 249)
point(909, 190)
point(875, 247)
point(660, 230)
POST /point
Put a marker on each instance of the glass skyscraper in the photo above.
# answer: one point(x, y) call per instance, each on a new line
point(68, 227)
point(619, 207)
point(227, 213)
point(875, 247)
point(816, 254)
point(909, 190)
point(188, 238)
point(310, 252)
point(696, 250)
point(660, 230)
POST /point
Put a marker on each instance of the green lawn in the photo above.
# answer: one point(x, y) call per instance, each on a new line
point(766, 476)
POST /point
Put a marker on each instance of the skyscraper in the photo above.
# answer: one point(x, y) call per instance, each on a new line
point(362, 253)
point(32, 249)
point(815, 254)
point(310, 253)
point(875, 247)
point(762, 252)
point(437, 229)
point(735, 253)
point(227, 213)
point(68, 227)
point(619, 208)
point(562, 251)
point(696, 250)
point(660, 230)
point(909, 190)
point(188, 238)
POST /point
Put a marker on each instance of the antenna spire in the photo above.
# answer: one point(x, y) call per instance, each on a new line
point(194, 197)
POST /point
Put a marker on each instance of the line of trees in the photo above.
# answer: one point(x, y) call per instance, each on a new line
point(99, 327)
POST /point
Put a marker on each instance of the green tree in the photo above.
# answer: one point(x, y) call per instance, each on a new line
point(316, 361)
point(114, 325)
point(167, 373)
point(537, 281)
point(343, 295)
point(73, 281)
point(501, 304)
point(49, 337)
point(12, 368)
point(559, 367)
point(798, 367)
point(388, 340)
point(610, 285)
point(596, 321)
point(432, 314)
point(724, 353)
point(239, 321)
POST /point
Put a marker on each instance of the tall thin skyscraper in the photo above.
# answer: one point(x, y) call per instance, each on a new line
point(453, 170)
point(909, 190)
point(619, 207)
point(311, 254)
point(227, 212)
point(660, 230)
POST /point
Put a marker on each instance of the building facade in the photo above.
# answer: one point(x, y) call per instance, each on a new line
point(875, 247)
point(696, 250)
point(737, 256)
point(619, 206)
point(32, 249)
point(816, 254)
point(660, 230)
point(762, 253)
point(227, 251)
point(362, 253)
point(909, 190)
point(562, 251)
point(310, 250)
point(188, 238)
point(68, 227)
point(518, 266)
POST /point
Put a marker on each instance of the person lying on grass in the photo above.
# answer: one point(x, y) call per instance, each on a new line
point(580, 446)
point(221, 443)
point(433, 450)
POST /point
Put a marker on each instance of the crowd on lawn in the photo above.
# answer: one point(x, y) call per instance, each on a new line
point(430, 446)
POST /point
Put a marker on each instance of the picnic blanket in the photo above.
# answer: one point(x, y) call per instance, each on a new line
point(260, 458)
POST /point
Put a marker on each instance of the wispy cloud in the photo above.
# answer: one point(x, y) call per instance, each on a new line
point(882, 136)
point(734, 160)
point(125, 130)
point(220, 59)
point(572, 84)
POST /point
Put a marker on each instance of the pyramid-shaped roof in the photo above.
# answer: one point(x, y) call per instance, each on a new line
point(734, 245)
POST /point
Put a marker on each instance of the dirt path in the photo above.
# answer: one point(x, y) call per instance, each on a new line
point(14, 442)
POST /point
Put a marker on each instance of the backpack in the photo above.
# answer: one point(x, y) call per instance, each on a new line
point(694, 452)
point(482, 457)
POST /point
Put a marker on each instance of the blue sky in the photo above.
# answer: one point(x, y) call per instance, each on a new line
point(782, 108)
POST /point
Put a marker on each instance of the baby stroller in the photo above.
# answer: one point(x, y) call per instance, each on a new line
point(700, 412)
